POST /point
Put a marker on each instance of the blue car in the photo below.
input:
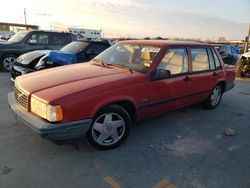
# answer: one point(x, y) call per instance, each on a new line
point(229, 54)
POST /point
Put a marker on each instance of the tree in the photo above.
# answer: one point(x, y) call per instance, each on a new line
point(159, 38)
point(221, 39)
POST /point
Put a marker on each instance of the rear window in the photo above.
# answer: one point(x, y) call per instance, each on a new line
point(60, 38)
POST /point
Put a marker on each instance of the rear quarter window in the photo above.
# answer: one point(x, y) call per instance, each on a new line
point(211, 59)
point(216, 60)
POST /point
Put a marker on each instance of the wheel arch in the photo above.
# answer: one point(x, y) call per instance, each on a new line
point(223, 84)
point(127, 103)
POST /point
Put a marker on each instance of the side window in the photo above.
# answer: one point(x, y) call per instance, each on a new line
point(60, 39)
point(175, 60)
point(199, 59)
point(211, 59)
point(97, 48)
point(216, 60)
point(39, 38)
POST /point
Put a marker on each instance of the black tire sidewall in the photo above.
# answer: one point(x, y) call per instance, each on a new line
point(2, 59)
point(208, 102)
point(111, 109)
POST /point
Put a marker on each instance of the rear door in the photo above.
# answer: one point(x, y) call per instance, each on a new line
point(204, 73)
point(58, 40)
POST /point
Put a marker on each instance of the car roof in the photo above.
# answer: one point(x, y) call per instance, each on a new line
point(47, 31)
point(165, 43)
point(93, 42)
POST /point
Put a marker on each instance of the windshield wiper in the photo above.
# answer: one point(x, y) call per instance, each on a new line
point(120, 66)
point(99, 61)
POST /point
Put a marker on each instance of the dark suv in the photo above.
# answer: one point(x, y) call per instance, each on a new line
point(25, 41)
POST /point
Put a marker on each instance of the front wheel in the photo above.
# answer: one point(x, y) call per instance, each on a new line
point(214, 99)
point(7, 62)
point(110, 127)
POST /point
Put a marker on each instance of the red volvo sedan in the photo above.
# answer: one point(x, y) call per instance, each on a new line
point(128, 81)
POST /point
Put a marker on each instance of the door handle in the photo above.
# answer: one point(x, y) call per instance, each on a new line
point(188, 78)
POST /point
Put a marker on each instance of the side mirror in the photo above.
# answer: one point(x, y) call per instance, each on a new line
point(160, 74)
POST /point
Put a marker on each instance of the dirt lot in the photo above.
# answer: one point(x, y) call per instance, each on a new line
point(184, 148)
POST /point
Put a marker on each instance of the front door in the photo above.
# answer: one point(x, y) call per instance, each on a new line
point(37, 41)
point(169, 93)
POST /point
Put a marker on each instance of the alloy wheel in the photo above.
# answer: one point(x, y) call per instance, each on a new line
point(8, 62)
point(108, 129)
point(216, 95)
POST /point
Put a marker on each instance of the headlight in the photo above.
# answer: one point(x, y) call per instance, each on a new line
point(46, 111)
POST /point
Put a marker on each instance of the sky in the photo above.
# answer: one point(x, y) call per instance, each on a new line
point(205, 19)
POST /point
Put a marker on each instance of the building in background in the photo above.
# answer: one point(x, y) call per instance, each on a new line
point(89, 34)
point(9, 29)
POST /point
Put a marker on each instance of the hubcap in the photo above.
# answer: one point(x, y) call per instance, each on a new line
point(108, 129)
point(8, 62)
point(216, 95)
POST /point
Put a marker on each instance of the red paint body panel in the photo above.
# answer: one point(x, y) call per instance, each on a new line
point(83, 89)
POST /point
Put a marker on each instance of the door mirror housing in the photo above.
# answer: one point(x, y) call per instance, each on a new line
point(160, 74)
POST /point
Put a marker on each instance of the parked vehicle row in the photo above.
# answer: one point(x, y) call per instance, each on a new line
point(128, 81)
point(74, 52)
point(26, 41)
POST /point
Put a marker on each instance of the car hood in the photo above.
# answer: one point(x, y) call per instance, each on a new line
point(61, 81)
point(6, 45)
point(4, 42)
point(27, 58)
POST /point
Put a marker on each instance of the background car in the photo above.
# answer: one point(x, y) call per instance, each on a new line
point(83, 51)
point(243, 65)
point(26, 41)
point(229, 54)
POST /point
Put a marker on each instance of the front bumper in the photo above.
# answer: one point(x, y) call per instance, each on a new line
point(18, 71)
point(56, 131)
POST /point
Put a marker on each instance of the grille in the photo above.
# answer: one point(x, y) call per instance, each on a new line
point(21, 97)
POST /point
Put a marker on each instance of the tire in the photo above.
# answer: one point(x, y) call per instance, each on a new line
point(7, 61)
point(243, 74)
point(214, 99)
point(110, 128)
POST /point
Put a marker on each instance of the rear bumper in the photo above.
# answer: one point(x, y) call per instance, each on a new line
point(229, 86)
point(56, 131)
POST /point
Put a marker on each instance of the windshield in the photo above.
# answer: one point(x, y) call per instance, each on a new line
point(18, 37)
point(136, 57)
point(75, 47)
